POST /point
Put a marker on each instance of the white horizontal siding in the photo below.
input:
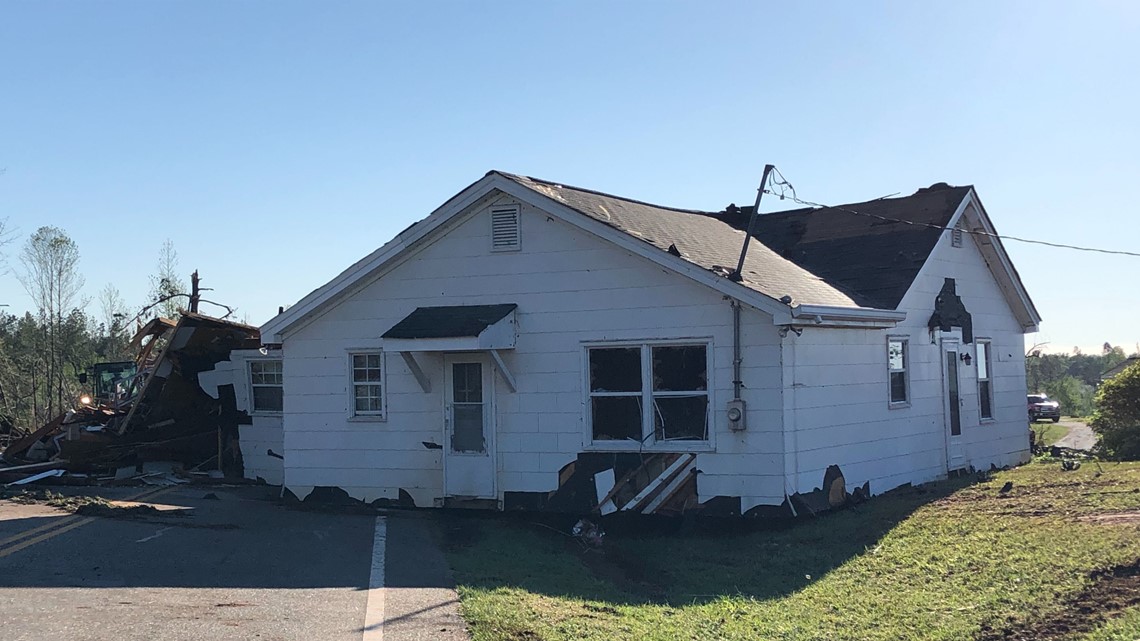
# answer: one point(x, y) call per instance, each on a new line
point(570, 288)
point(266, 431)
point(838, 389)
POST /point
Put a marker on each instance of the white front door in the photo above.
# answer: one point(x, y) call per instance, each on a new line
point(469, 427)
point(952, 399)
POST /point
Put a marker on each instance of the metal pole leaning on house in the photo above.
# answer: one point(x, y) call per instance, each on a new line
point(738, 275)
point(736, 359)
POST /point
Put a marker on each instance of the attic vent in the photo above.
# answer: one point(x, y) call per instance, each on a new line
point(956, 235)
point(505, 234)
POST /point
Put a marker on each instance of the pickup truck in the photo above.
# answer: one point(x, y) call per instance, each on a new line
point(1043, 407)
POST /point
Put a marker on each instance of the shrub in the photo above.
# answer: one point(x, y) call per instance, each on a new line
point(1117, 417)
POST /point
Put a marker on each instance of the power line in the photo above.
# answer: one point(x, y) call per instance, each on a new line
point(787, 191)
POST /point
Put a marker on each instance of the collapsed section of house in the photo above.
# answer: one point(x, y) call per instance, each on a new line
point(169, 404)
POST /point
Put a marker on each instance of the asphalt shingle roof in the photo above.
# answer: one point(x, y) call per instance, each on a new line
point(816, 256)
point(875, 259)
point(454, 321)
point(700, 238)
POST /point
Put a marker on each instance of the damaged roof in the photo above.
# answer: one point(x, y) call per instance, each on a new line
point(875, 259)
point(698, 237)
point(816, 256)
point(806, 257)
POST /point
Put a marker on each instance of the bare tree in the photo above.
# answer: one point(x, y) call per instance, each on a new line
point(112, 307)
point(113, 315)
point(165, 285)
point(51, 277)
point(7, 235)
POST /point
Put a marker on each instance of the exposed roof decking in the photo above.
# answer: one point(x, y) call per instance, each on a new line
point(700, 237)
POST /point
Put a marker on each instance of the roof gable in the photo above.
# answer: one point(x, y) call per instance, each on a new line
point(799, 263)
point(876, 254)
point(700, 238)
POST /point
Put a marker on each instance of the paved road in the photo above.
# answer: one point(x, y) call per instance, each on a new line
point(241, 567)
point(1080, 436)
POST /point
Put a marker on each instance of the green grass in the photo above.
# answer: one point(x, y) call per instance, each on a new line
point(1048, 432)
point(938, 562)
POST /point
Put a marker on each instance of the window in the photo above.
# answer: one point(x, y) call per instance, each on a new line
point(985, 376)
point(367, 384)
point(897, 366)
point(505, 234)
point(670, 379)
point(265, 379)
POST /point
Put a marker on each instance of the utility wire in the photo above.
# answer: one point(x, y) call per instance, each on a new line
point(784, 190)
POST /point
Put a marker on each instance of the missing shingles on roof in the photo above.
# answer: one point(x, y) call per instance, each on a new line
point(551, 191)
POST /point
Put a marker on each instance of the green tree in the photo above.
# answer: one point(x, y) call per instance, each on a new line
point(1074, 395)
point(1117, 417)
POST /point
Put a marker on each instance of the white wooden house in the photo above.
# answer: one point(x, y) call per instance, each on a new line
point(531, 345)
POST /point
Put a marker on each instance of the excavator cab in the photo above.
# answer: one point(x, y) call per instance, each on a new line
point(109, 382)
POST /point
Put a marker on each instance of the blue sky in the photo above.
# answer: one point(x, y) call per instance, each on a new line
point(277, 143)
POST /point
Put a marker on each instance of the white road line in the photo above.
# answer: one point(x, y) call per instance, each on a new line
point(153, 536)
point(374, 610)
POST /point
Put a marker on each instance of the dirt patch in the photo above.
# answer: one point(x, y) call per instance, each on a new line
point(1113, 518)
point(144, 513)
point(71, 503)
point(1112, 591)
point(136, 511)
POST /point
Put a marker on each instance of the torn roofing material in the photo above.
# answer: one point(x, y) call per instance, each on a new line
point(876, 259)
point(450, 321)
point(816, 256)
point(700, 237)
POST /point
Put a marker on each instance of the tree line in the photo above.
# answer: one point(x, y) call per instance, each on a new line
point(1071, 379)
point(43, 351)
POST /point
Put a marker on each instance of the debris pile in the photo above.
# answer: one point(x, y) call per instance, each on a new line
point(167, 405)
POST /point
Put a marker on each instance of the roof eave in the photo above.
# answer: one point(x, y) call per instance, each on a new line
point(1030, 319)
point(830, 316)
point(779, 312)
point(273, 331)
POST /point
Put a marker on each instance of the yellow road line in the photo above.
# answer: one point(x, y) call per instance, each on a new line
point(25, 534)
point(64, 525)
point(44, 537)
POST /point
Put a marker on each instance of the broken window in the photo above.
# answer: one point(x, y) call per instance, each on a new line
point(367, 391)
point(897, 368)
point(985, 388)
point(266, 380)
point(680, 393)
point(672, 380)
point(615, 393)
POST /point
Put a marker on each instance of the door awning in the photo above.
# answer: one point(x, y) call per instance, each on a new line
point(460, 328)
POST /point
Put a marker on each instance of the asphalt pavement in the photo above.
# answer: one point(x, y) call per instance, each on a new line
point(238, 566)
point(1079, 437)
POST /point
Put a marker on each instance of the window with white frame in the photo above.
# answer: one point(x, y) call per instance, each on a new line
point(897, 362)
point(671, 380)
point(266, 383)
point(367, 384)
point(985, 377)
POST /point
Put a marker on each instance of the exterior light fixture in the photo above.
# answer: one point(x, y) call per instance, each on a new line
point(967, 359)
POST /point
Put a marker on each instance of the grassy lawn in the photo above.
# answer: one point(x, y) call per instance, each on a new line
point(1048, 432)
point(949, 560)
